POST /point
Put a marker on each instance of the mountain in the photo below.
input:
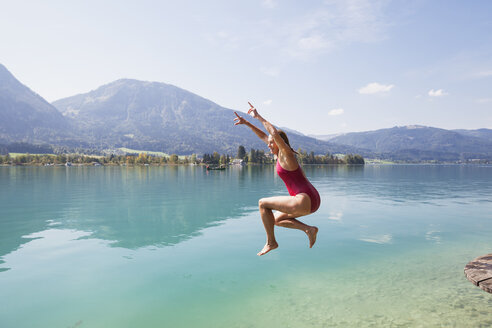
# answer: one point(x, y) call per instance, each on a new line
point(291, 131)
point(325, 137)
point(161, 117)
point(158, 116)
point(479, 133)
point(419, 142)
point(26, 116)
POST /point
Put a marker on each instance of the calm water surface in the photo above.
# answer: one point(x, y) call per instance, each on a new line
point(176, 247)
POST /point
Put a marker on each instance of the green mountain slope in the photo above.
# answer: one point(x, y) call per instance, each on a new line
point(419, 142)
point(485, 134)
point(161, 117)
point(26, 116)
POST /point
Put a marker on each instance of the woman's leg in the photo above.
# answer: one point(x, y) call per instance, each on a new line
point(268, 222)
point(289, 221)
point(298, 205)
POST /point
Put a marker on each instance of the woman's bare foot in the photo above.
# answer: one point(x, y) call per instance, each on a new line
point(267, 248)
point(312, 232)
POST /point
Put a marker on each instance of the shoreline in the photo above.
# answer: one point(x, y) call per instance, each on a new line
point(231, 166)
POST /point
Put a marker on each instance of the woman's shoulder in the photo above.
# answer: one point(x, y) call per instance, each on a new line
point(288, 160)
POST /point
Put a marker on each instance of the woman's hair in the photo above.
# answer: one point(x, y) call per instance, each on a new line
point(286, 139)
point(284, 136)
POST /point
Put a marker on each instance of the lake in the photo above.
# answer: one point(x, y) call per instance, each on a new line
point(176, 246)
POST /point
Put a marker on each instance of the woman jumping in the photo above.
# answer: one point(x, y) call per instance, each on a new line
point(304, 198)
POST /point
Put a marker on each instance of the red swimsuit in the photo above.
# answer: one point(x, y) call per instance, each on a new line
point(296, 183)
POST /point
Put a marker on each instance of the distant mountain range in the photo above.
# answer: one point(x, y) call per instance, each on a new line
point(479, 133)
point(133, 114)
point(161, 117)
point(415, 142)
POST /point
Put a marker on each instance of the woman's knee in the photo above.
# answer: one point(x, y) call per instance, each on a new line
point(262, 203)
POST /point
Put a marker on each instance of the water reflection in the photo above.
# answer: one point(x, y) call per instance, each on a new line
point(132, 207)
point(143, 206)
point(425, 184)
point(335, 215)
point(380, 239)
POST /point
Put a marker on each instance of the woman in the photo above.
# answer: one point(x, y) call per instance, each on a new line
point(304, 198)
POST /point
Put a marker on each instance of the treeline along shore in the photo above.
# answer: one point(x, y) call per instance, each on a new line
point(254, 156)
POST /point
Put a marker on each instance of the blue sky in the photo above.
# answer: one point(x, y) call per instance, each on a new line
point(319, 67)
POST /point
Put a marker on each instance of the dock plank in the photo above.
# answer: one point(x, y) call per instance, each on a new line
point(486, 285)
point(479, 272)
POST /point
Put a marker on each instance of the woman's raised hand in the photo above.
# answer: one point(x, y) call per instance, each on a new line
point(239, 120)
point(252, 111)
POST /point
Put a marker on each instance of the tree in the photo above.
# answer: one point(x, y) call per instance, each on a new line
point(354, 159)
point(142, 158)
point(260, 156)
point(252, 156)
point(173, 159)
point(300, 156)
point(61, 158)
point(311, 159)
point(241, 152)
point(215, 158)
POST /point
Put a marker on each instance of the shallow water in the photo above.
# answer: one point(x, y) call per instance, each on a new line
point(176, 247)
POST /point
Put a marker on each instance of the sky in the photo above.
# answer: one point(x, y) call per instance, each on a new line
point(318, 67)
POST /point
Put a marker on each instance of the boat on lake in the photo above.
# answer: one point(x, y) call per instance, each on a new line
point(212, 168)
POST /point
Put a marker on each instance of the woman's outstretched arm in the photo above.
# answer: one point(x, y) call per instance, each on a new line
point(257, 131)
point(270, 128)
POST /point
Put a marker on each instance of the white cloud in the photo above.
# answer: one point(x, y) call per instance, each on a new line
point(313, 43)
point(270, 71)
point(360, 20)
point(225, 39)
point(337, 23)
point(437, 93)
point(484, 74)
point(375, 87)
point(267, 102)
point(305, 33)
point(336, 111)
point(484, 100)
point(269, 3)
point(222, 34)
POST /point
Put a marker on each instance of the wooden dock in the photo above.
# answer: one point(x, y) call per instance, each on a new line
point(479, 272)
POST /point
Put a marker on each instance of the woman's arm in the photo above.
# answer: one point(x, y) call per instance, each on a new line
point(271, 129)
point(257, 131)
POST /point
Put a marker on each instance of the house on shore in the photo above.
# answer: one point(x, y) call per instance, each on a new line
point(237, 161)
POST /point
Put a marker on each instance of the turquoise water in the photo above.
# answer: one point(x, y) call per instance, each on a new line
point(176, 247)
